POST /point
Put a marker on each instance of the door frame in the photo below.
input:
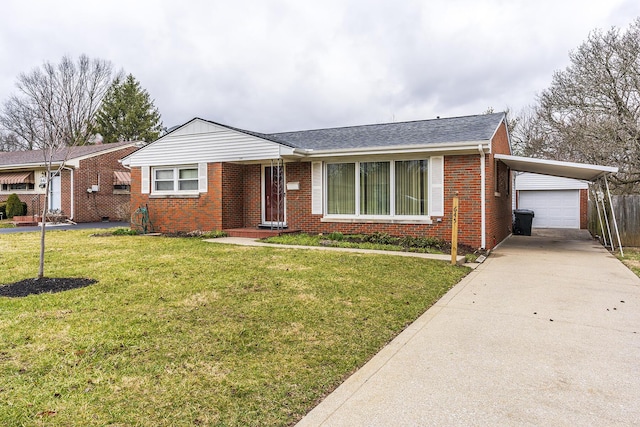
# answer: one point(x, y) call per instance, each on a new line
point(55, 184)
point(282, 222)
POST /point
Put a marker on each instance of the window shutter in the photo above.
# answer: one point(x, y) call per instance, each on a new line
point(437, 186)
point(316, 188)
point(202, 177)
point(144, 174)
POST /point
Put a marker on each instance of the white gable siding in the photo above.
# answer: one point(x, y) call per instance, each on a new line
point(198, 127)
point(534, 181)
point(202, 142)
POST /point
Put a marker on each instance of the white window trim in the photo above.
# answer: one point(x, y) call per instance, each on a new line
point(176, 173)
point(392, 217)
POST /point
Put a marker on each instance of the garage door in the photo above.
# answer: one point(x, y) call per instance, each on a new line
point(552, 208)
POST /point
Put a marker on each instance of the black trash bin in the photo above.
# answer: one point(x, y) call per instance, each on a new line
point(522, 222)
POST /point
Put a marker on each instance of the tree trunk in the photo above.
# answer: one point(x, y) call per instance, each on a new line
point(43, 220)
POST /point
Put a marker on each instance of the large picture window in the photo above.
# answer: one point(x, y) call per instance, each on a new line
point(412, 191)
point(375, 184)
point(341, 189)
point(177, 179)
point(378, 189)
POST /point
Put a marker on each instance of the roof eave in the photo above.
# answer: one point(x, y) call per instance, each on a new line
point(583, 171)
point(466, 147)
point(29, 165)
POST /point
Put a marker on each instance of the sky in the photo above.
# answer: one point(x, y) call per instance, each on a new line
point(284, 65)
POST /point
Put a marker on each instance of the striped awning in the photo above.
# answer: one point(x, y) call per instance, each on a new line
point(121, 178)
point(16, 177)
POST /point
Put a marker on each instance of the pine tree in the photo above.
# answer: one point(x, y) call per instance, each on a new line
point(128, 114)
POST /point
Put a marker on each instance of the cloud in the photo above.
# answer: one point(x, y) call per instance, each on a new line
point(286, 65)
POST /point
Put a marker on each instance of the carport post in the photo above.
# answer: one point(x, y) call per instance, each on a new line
point(595, 199)
point(606, 217)
point(613, 215)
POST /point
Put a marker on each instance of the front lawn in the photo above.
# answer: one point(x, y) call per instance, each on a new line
point(178, 331)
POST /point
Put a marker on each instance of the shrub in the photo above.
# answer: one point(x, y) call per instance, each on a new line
point(14, 206)
point(382, 239)
point(336, 235)
point(125, 232)
point(3, 210)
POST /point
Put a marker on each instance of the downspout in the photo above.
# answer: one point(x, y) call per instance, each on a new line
point(72, 213)
point(483, 199)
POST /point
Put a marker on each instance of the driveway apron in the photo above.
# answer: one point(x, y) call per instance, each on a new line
point(545, 332)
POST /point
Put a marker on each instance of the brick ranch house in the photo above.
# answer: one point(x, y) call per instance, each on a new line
point(92, 186)
point(396, 178)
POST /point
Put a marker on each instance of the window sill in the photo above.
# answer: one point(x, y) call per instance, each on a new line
point(175, 196)
point(356, 220)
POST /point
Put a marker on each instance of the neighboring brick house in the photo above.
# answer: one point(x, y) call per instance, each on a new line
point(396, 178)
point(92, 186)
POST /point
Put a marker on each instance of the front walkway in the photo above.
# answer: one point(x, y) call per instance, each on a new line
point(545, 332)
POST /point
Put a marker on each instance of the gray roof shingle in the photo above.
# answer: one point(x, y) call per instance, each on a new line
point(421, 132)
point(36, 157)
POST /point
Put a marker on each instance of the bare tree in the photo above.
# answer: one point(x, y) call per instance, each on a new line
point(55, 110)
point(9, 142)
point(591, 111)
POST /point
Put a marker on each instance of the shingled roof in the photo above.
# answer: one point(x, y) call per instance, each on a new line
point(36, 157)
point(421, 132)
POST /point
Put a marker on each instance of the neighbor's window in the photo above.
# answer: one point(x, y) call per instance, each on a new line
point(20, 186)
point(175, 179)
point(377, 187)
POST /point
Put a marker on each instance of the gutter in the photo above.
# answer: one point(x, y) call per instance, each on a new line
point(483, 199)
point(399, 149)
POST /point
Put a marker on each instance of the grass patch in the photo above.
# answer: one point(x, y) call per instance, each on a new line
point(631, 259)
point(6, 223)
point(178, 331)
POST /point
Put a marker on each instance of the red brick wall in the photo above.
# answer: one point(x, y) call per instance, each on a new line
point(584, 206)
point(499, 207)
point(251, 184)
point(179, 213)
point(232, 196)
point(97, 170)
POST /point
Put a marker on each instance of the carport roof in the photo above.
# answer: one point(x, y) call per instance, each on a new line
point(581, 171)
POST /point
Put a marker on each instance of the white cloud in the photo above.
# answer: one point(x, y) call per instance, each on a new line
point(285, 64)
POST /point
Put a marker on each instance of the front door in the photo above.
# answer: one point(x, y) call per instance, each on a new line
point(55, 194)
point(273, 195)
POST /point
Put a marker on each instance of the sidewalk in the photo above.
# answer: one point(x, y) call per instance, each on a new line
point(545, 332)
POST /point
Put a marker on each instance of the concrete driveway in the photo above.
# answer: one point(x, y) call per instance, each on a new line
point(545, 332)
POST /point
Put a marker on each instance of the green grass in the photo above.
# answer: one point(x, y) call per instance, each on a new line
point(178, 331)
point(6, 223)
point(631, 259)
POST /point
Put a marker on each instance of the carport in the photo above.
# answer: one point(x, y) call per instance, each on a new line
point(596, 175)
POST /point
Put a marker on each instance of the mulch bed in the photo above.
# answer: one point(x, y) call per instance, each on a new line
point(28, 287)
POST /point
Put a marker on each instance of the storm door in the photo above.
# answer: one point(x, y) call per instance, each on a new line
point(273, 195)
point(55, 194)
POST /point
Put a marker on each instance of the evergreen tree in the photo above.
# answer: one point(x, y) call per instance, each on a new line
point(127, 113)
